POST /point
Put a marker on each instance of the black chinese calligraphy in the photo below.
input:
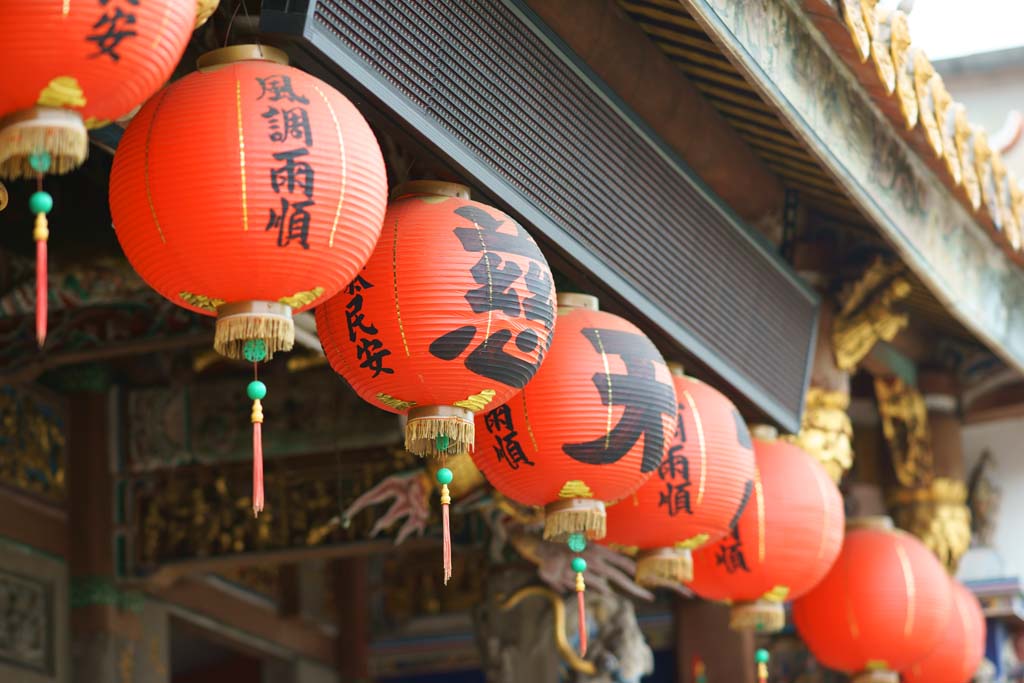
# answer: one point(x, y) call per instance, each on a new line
point(498, 356)
point(742, 433)
point(645, 400)
point(370, 351)
point(293, 179)
point(117, 23)
point(748, 488)
point(729, 553)
point(507, 447)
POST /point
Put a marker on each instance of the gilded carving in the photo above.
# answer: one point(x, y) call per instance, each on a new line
point(33, 446)
point(966, 149)
point(877, 19)
point(853, 17)
point(936, 513)
point(945, 117)
point(905, 425)
point(924, 72)
point(826, 430)
point(903, 65)
point(866, 315)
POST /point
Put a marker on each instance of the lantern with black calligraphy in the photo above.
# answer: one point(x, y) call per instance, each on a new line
point(883, 606)
point(785, 541)
point(452, 314)
point(697, 493)
point(71, 66)
point(957, 656)
point(248, 190)
point(591, 427)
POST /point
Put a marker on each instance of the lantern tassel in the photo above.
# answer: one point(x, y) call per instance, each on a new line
point(257, 458)
point(41, 235)
point(446, 533)
point(581, 612)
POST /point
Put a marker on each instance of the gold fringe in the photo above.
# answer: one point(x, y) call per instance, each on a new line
point(560, 523)
point(654, 570)
point(760, 616)
point(67, 143)
point(231, 334)
point(421, 435)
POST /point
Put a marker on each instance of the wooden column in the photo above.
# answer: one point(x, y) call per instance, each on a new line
point(702, 630)
point(352, 601)
point(940, 392)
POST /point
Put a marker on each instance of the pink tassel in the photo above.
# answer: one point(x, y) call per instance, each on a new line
point(582, 615)
point(42, 284)
point(447, 536)
point(257, 468)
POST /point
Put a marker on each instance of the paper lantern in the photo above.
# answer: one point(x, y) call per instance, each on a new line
point(957, 656)
point(785, 541)
point(248, 190)
point(73, 65)
point(883, 606)
point(590, 428)
point(697, 493)
point(452, 314)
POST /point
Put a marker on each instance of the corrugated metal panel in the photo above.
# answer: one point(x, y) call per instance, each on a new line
point(508, 104)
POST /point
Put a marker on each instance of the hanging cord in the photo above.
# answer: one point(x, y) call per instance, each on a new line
point(41, 203)
point(577, 544)
point(254, 351)
point(761, 657)
point(444, 477)
point(231, 22)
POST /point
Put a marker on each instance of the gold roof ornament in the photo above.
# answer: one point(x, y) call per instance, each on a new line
point(945, 116)
point(877, 19)
point(1004, 201)
point(923, 74)
point(986, 178)
point(1017, 206)
point(853, 17)
point(205, 10)
point(963, 135)
point(903, 64)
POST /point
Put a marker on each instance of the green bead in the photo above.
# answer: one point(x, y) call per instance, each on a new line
point(40, 202)
point(761, 656)
point(39, 161)
point(254, 350)
point(256, 390)
point(577, 542)
point(579, 565)
point(444, 476)
point(442, 442)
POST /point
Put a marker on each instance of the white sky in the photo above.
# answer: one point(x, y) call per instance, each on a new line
point(952, 28)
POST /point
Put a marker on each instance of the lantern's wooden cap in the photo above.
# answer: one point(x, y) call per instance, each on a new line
point(763, 432)
point(675, 368)
point(221, 57)
point(437, 188)
point(574, 300)
point(875, 522)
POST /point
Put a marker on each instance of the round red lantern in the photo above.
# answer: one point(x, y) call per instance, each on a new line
point(452, 314)
point(248, 190)
point(69, 66)
point(784, 542)
point(882, 607)
point(697, 493)
point(958, 654)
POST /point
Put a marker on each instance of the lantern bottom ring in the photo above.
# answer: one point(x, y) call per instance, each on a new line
point(761, 616)
point(240, 321)
point(439, 430)
point(575, 516)
point(876, 676)
point(59, 132)
point(660, 566)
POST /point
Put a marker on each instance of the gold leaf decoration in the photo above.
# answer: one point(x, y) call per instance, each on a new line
point(477, 402)
point(62, 92)
point(396, 403)
point(853, 17)
point(693, 542)
point(903, 65)
point(965, 148)
point(201, 301)
point(302, 299)
point(945, 116)
point(575, 489)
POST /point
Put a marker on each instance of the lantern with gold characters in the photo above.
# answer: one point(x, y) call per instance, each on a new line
point(288, 219)
point(452, 315)
point(785, 541)
point(696, 494)
point(72, 66)
point(591, 427)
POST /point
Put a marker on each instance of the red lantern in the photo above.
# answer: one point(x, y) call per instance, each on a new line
point(592, 426)
point(958, 654)
point(69, 66)
point(786, 539)
point(697, 493)
point(883, 606)
point(248, 190)
point(452, 314)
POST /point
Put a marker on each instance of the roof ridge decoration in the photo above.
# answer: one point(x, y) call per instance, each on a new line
point(973, 170)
